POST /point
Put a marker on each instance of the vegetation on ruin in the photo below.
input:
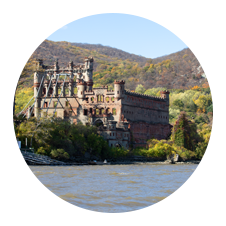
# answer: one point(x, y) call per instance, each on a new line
point(62, 140)
point(186, 141)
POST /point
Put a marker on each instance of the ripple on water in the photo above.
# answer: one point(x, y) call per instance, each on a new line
point(113, 188)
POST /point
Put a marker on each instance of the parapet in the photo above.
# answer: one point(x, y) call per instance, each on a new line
point(90, 58)
point(165, 92)
point(144, 96)
point(119, 82)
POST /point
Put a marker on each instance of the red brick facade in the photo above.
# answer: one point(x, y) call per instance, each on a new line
point(135, 117)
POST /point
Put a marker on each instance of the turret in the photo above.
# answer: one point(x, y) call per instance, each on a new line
point(56, 67)
point(37, 84)
point(165, 95)
point(70, 68)
point(119, 88)
point(81, 88)
point(39, 64)
point(88, 73)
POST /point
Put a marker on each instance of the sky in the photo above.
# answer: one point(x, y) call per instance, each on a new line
point(122, 31)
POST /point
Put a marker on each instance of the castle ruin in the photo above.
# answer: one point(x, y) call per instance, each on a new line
point(123, 117)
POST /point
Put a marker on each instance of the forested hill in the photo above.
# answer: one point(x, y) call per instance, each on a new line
point(179, 70)
point(112, 52)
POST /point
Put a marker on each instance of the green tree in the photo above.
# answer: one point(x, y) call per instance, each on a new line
point(178, 103)
point(184, 133)
point(203, 102)
point(154, 91)
point(59, 154)
point(140, 89)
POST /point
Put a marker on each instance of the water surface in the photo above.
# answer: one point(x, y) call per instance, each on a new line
point(114, 188)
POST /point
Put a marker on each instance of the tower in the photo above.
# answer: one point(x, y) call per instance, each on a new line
point(81, 88)
point(37, 84)
point(88, 73)
point(56, 67)
point(119, 88)
point(70, 69)
point(165, 95)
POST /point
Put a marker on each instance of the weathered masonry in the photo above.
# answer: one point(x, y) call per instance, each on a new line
point(123, 117)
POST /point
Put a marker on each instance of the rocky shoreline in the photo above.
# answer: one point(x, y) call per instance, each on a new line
point(156, 162)
point(121, 163)
point(33, 159)
point(126, 162)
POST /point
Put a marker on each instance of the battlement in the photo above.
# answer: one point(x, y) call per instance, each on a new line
point(165, 92)
point(144, 96)
point(119, 82)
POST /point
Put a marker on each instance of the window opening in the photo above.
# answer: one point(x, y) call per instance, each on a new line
point(67, 91)
point(114, 111)
point(85, 111)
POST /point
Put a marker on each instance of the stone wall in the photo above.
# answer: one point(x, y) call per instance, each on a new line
point(147, 116)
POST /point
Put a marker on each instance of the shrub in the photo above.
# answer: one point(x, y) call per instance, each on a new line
point(42, 151)
point(183, 153)
point(59, 154)
point(117, 152)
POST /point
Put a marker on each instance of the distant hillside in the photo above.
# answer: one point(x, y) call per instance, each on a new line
point(112, 52)
point(179, 70)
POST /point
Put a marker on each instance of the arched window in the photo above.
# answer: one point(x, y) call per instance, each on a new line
point(114, 111)
point(92, 99)
point(107, 99)
point(112, 99)
point(102, 111)
point(97, 111)
point(66, 114)
point(100, 98)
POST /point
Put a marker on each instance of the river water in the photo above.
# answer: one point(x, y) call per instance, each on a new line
point(114, 188)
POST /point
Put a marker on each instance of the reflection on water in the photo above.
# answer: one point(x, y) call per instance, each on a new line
point(113, 188)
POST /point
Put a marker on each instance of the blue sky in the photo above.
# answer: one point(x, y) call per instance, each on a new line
point(126, 32)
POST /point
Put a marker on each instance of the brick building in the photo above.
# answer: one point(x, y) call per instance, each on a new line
point(123, 117)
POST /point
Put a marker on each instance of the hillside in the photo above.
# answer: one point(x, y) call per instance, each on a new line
point(112, 52)
point(179, 70)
